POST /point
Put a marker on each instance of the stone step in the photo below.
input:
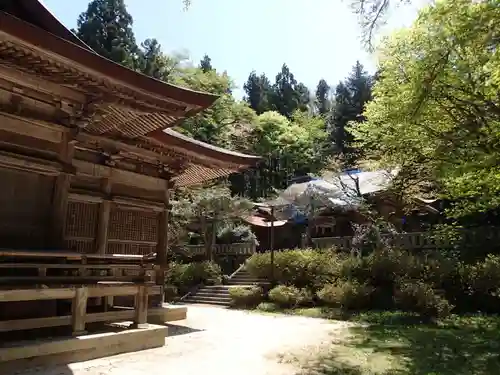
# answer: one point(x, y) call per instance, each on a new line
point(214, 295)
point(208, 300)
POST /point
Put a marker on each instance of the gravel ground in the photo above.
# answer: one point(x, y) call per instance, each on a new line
point(219, 341)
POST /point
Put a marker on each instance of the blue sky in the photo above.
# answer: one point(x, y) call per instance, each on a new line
point(316, 38)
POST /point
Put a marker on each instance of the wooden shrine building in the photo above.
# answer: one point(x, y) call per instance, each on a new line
point(86, 165)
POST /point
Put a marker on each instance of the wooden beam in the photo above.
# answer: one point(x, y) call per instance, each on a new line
point(29, 128)
point(25, 324)
point(36, 294)
point(30, 164)
point(79, 311)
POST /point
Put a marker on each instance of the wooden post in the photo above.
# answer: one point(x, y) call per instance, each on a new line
point(61, 191)
point(141, 308)
point(79, 310)
point(162, 244)
point(103, 225)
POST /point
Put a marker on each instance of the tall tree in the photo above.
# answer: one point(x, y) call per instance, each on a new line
point(206, 64)
point(258, 92)
point(152, 61)
point(106, 26)
point(351, 97)
point(322, 101)
point(285, 97)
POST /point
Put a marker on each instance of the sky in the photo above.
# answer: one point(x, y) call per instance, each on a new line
point(315, 38)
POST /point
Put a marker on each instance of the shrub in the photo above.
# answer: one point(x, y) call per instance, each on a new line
point(235, 234)
point(171, 292)
point(420, 297)
point(185, 276)
point(483, 276)
point(245, 296)
point(300, 268)
point(348, 295)
point(290, 296)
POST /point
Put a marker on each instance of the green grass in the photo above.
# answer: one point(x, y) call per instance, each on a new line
point(395, 343)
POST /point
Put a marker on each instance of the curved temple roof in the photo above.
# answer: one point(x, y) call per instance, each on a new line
point(21, 20)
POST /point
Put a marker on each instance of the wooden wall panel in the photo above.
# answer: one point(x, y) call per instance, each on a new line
point(25, 209)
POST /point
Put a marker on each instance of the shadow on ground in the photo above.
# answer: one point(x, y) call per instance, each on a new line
point(460, 346)
point(177, 330)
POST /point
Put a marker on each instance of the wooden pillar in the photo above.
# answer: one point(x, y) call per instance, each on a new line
point(61, 191)
point(141, 308)
point(103, 224)
point(79, 310)
point(162, 244)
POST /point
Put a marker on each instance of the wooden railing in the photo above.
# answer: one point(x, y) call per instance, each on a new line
point(79, 297)
point(416, 240)
point(225, 249)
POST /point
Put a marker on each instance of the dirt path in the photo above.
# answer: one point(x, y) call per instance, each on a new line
point(217, 341)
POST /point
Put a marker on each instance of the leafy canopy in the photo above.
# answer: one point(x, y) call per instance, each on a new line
point(436, 105)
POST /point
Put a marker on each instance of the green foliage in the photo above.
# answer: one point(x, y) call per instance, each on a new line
point(420, 297)
point(482, 277)
point(206, 64)
point(185, 276)
point(300, 268)
point(436, 106)
point(245, 296)
point(171, 292)
point(106, 27)
point(348, 295)
point(290, 296)
point(232, 233)
point(322, 101)
point(351, 97)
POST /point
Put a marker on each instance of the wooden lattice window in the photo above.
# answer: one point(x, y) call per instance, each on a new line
point(133, 225)
point(81, 220)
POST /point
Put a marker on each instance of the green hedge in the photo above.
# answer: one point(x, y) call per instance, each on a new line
point(429, 284)
point(248, 297)
point(184, 276)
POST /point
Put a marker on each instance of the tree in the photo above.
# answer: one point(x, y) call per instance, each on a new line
point(106, 27)
point(351, 97)
point(289, 148)
point(223, 122)
point(288, 95)
point(209, 209)
point(206, 64)
point(258, 92)
point(436, 108)
point(322, 101)
point(152, 61)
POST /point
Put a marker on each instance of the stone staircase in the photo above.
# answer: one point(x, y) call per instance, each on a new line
point(219, 294)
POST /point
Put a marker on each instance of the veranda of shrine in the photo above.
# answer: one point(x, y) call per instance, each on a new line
point(86, 166)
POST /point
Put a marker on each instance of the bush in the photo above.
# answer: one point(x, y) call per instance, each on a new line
point(420, 297)
point(235, 234)
point(186, 276)
point(300, 268)
point(245, 296)
point(171, 292)
point(348, 295)
point(290, 296)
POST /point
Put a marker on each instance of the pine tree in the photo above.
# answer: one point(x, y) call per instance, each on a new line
point(258, 92)
point(106, 27)
point(206, 64)
point(322, 101)
point(152, 61)
point(350, 99)
point(285, 98)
